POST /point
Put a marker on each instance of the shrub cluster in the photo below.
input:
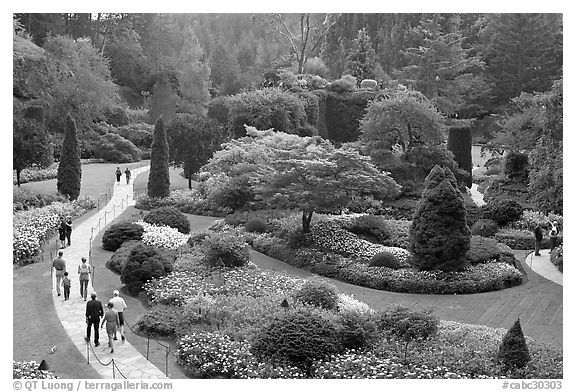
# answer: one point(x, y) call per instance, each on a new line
point(144, 263)
point(557, 256)
point(23, 199)
point(484, 228)
point(118, 233)
point(483, 250)
point(32, 174)
point(522, 239)
point(169, 216)
point(225, 250)
point(503, 212)
point(118, 260)
point(384, 259)
point(114, 148)
point(255, 225)
point(405, 324)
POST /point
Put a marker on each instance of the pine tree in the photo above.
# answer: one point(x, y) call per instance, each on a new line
point(439, 235)
point(361, 60)
point(69, 169)
point(159, 178)
point(513, 351)
point(460, 143)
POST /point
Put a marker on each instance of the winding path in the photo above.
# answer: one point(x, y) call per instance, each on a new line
point(129, 363)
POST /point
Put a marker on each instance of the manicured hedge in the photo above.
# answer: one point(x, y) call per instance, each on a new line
point(460, 143)
point(522, 239)
point(343, 114)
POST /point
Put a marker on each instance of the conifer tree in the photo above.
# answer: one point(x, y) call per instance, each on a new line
point(513, 351)
point(361, 60)
point(460, 143)
point(70, 170)
point(439, 235)
point(159, 177)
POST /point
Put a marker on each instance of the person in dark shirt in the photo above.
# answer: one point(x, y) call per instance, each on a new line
point(118, 175)
point(94, 311)
point(68, 230)
point(538, 238)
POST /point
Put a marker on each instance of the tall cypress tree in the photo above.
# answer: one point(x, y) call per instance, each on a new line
point(159, 177)
point(460, 143)
point(439, 235)
point(69, 169)
point(361, 60)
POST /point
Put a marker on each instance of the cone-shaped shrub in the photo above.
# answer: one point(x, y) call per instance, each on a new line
point(460, 143)
point(513, 351)
point(439, 234)
point(159, 177)
point(69, 169)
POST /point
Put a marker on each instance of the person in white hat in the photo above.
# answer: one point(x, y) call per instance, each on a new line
point(119, 306)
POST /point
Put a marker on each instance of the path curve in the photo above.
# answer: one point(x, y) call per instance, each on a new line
point(129, 362)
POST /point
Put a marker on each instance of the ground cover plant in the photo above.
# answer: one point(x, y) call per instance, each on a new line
point(243, 323)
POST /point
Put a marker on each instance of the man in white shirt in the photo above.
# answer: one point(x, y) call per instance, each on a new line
point(119, 305)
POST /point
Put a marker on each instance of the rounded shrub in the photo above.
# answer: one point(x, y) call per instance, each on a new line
point(118, 260)
point(225, 250)
point(255, 225)
point(144, 263)
point(503, 211)
point(356, 330)
point(385, 259)
point(318, 293)
point(114, 148)
point(403, 323)
point(484, 228)
point(169, 216)
point(299, 338)
point(118, 233)
point(516, 166)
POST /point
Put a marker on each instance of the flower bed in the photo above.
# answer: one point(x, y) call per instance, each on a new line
point(29, 370)
point(330, 235)
point(34, 174)
point(189, 201)
point(33, 227)
point(162, 236)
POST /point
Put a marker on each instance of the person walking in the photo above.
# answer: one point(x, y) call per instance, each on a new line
point(111, 321)
point(62, 233)
point(94, 311)
point(553, 235)
point(66, 283)
point(118, 174)
point(538, 239)
point(128, 174)
point(84, 271)
point(68, 230)
point(119, 306)
point(60, 266)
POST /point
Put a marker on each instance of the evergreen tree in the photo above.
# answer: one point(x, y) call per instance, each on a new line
point(159, 177)
point(439, 235)
point(69, 169)
point(361, 59)
point(163, 101)
point(460, 143)
point(513, 351)
point(225, 71)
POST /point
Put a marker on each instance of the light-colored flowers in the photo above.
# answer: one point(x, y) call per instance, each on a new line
point(29, 370)
point(162, 236)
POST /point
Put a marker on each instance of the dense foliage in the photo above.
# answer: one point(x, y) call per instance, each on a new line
point(169, 216)
point(69, 169)
point(119, 233)
point(159, 177)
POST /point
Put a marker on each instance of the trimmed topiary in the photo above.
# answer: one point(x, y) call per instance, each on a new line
point(484, 228)
point(299, 338)
point(516, 166)
point(503, 211)
point(439, 235)
point(118, 233)
point(169, 216)
point(460, 143)
point(70, 170)
point(318, 293)
point(255, 225)
point(159, 178)
point(385, 259)
point(143, 264)
point(513, 351)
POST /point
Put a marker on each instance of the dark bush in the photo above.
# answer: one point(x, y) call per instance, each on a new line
point(484, 227)
point(343, 85)
point(118, 260)
point(144, 263)
point(385, 259)
point(483, 249)
point(218, 109)
point(140, 134)
point(343, 115)
point(118, 233)
point(116, 116)
point(114, 148)
point(522, 239)
point(356, 330)
point(503, 211)
point(317, 293)
point(460, 143)
point(513, 351)
point(311, 108)
point(159, 176)
point(299, 338)
point(424, 158)
point(307, 130)
point(169, 216)
point(298, 239)
point(225, 250)
point(69, 170)
point(403, 323)
point(255, 225)
point(368, 225)
point(160, 320)
point(516, 166)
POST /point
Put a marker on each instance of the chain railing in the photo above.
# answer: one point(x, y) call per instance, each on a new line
point(111, 362)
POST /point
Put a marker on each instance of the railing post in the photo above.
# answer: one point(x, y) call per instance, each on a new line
point(167, 351)
point(147, 348)
point(113, 369)
point(88, 351)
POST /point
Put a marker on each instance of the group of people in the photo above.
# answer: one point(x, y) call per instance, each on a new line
point(113, 317)
point(119, 174)
point(539, 236)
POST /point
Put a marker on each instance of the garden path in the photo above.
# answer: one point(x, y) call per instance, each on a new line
point(129, 362)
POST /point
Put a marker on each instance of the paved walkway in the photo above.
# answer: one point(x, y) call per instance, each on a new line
point(544, 267)
point(129, 362)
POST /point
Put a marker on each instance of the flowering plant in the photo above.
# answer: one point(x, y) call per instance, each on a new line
point(162, 236)
point(28, 370)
